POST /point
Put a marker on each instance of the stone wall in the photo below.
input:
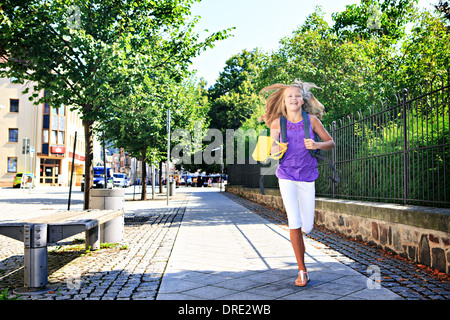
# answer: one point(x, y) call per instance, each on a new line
point(420, 234)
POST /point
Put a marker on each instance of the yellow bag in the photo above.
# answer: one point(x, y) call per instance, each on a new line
point(264, 147)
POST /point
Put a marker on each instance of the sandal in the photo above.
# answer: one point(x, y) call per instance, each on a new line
point(302, 275)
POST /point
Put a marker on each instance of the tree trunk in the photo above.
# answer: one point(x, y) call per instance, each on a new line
point(144, 175)
point(88, 162)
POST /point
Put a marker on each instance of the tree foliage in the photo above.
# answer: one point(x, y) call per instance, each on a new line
point(139, 124)
point(358, 61)
point(91, 55)
point(371, 18)
point(370, 52)
point(234, 96)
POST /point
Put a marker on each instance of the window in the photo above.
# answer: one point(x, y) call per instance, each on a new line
point(46, 122)
point(45, 136)
point(54, 137)
point(53, 126)
point(62, 123)
point(12, 164)
point(13, 135)
point(55, 122)
point(60, 137)
point(13, 105)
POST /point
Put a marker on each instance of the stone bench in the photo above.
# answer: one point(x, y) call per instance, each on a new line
point(38, 233)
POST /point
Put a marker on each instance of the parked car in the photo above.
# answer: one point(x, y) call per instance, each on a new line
point(186, 180)
point(99, 178)
point(121, 180)
point(18, 179)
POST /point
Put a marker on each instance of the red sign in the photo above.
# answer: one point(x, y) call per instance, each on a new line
point(57, 149)
point(77, 156)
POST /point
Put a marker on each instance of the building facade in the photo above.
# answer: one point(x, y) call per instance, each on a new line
point(50, 131)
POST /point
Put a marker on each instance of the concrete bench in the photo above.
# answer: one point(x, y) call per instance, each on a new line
point(38, 233)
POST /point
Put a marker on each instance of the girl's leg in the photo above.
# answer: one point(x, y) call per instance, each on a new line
point(299, 250)
point(306, 199)
point(298, 245)
point(307, 203)
point(289, 193)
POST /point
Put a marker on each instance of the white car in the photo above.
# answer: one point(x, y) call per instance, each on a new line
point(120, 180)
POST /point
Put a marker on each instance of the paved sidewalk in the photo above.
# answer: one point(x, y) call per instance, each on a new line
point(225, 251)
point(204, 245)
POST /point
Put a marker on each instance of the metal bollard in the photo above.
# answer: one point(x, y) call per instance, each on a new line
point(109, 199)
point(112, 231)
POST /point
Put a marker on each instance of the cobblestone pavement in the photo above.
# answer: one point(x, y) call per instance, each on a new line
point(399, 275)
point(131, 270)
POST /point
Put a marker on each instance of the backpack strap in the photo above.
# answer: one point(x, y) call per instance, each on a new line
point(283, 128)
point(261, 184)
point(307, 125)
point(318, 155)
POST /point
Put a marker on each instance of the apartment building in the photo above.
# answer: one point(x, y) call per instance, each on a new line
point(51, 133)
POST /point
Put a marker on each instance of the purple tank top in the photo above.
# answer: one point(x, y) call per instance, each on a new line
point(297, 164)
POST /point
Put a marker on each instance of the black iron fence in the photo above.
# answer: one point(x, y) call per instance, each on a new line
point(397, 151)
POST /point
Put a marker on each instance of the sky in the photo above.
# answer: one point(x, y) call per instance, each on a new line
point(259, 24)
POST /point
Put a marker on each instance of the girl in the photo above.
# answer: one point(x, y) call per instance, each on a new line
point(297, 170)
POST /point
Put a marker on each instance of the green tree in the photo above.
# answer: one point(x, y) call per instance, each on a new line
point(349, 72)
point(381, 18)
point(234, 97)
point(425, 52)
point(358, 68)
point(139, 124)
point(90, 54)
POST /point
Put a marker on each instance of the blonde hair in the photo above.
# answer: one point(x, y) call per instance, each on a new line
point(275, 106)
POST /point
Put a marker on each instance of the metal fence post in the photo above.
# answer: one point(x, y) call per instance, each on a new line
point(405, 146)
point(333, 135)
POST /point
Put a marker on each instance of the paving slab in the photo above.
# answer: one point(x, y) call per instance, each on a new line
point(225, 251)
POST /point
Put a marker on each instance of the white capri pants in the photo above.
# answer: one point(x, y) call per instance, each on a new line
point(299, 201)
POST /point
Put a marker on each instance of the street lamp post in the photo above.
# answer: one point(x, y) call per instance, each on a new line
point(71, 173)
point(104, 161)
point(168, 155)
point(221, 165)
